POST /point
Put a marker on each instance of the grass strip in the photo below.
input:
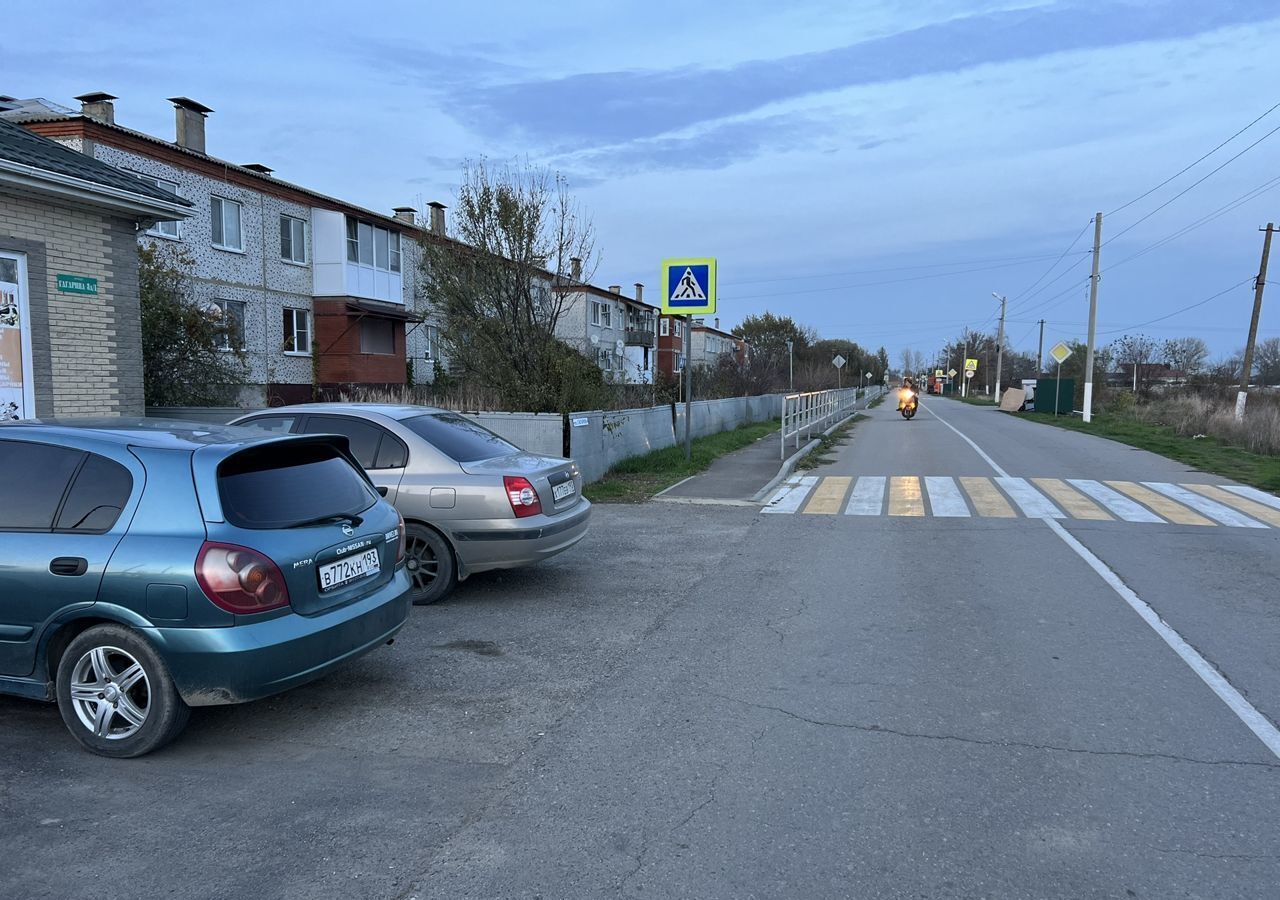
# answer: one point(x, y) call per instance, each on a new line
point(1208, 454)
point(637, 479)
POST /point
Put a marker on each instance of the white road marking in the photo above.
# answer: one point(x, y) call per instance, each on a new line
point(964, 437)
point(1255, 721)
point(1118, 503)
point(945, 498)
point(1224, 514)
point(792, 493)
point(1034, 504)
point(1253, 494)
point(867, 498)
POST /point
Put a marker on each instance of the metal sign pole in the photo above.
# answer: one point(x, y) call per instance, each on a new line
point(1057, 390)
point(688, 391)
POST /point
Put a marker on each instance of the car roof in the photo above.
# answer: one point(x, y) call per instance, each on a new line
point(390, 410)
point(171, 434)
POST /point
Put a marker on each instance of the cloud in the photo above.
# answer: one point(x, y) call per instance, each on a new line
point(605, 108)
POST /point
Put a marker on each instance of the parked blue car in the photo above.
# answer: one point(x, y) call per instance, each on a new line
point(148, 566)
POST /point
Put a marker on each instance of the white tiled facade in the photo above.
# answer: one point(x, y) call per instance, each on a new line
point(596, 323)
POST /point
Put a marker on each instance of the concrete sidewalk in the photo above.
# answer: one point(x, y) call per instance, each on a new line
point(740, 475)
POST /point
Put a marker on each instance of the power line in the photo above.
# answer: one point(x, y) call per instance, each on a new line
point(946, 265)
point(1191, 186)
point(1196, 163)
point(1061, 256)
point(1177, 312)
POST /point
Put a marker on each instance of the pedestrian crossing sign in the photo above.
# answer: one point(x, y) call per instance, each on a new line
point(971, 365)
point(689, 286)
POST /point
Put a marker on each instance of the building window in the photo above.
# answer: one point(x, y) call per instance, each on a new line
point(231, 324)
point(604, 358)
point(162, 229)
point(377, 336)
point(664, 327)
point(297, 331)
point(433, 342)
point(369, 245)
point(293, 240)
point(601, 314)
point(226, 224)
point(679, 328)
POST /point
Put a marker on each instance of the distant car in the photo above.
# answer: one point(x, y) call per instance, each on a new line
point(472, 501)
point(149, 566)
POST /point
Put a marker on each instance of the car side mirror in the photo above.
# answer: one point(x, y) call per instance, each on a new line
point(382, 489)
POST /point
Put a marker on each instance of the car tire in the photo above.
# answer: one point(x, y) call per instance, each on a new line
point(431, 565)
point(116, 695)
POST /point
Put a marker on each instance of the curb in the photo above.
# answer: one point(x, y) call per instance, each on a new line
point(790, 464)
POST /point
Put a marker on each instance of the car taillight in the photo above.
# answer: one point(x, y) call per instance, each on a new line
point(524, 499)
point(400, 542)
point(240, 580)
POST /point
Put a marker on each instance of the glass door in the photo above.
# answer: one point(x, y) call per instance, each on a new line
point(17, 387)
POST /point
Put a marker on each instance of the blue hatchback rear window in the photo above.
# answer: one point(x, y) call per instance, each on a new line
point(286, 484)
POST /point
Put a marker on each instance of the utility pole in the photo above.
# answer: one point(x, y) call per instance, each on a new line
point(1040, 354)
point(999, 343)
point(791, 365)
point(964, 382)
point(1253, 323)
point(1093, 320)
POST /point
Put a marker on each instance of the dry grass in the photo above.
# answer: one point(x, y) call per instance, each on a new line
point(1190, 415)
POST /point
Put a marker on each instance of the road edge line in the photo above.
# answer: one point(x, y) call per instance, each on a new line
point(1262, 727)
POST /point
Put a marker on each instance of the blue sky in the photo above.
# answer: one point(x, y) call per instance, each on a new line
point(873, 169)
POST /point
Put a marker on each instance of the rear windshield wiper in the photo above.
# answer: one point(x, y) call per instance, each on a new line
point(355, 520)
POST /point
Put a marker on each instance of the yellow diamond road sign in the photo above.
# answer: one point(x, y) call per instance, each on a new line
point(689, 286)
point(1060, 351)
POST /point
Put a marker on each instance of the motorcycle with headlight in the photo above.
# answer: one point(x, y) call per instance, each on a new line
point(908, 403)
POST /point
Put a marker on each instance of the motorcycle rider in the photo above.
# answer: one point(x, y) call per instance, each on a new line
point(907, 385)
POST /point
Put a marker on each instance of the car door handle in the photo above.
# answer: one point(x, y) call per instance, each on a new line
point(69, 565)
point(382, 489)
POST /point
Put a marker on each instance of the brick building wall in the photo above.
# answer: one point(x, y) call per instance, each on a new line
point(86, 349)
point(340, 359)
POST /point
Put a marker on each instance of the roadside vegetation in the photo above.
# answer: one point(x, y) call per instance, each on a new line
point(819, 456)
point(1197, 429)
point(638, 479)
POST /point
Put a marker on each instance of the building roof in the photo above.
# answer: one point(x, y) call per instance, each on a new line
point(19, 146)
point(47, 117)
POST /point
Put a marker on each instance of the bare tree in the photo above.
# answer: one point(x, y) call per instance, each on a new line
point(1136, 351)
point(1266, 361)
point(1186, 354)
point(502, 282)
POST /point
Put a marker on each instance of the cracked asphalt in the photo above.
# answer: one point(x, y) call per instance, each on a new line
point(704, 701)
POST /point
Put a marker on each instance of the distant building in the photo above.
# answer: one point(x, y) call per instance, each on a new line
point(317, 292)
point(70, 322)
point(708, 345)
point(672, 345)
point(619, 333)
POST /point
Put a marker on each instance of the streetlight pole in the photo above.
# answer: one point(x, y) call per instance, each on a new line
point(791, 365)
point(999, 343)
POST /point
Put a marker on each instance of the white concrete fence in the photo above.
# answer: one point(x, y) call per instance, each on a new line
point(598, 439)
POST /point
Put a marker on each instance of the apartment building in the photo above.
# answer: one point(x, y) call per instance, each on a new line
point(672, 337)
point(316, 292)
point(709, 345)
point(616, 331)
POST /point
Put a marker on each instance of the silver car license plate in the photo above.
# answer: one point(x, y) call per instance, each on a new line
point(560, 491)
point(336, 574)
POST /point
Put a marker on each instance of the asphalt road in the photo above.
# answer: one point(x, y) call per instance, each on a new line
point(709, 702)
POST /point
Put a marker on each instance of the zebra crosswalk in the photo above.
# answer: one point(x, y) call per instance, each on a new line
point(941, 496)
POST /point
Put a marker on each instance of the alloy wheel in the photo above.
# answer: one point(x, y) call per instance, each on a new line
point(110, 693)
point(422, 563)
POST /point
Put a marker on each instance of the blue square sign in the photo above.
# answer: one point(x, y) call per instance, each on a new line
point(690, 286)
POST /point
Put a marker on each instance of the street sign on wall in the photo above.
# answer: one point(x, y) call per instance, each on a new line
point(689, 286)
point(77, 284)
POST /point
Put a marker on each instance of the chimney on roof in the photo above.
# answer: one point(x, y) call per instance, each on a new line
point(259, 168)
point(639, 292)
point(437, 218)
point(717, 323)
point(98, 106)
point(615, 288)
point(190, 117)
point(575, 268)
point(405, 214)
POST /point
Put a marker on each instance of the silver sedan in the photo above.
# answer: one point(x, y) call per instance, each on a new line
point(471, 500)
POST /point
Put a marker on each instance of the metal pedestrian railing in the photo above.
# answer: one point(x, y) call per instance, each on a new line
point(803, 414)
